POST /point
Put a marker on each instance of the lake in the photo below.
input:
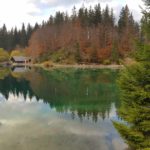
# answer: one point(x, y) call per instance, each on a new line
point(59, 109)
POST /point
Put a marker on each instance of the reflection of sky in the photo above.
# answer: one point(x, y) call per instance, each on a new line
point(34, 125)
point(17, 107)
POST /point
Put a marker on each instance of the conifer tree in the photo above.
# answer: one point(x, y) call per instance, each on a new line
point(16, 39)
point(74, 14)
point(97, 15)
point(134, 85)
point(23, 36)
point(28, 33)
point(77, 52)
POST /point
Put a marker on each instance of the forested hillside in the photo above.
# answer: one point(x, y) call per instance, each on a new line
point(88, 35)
point(15, 38)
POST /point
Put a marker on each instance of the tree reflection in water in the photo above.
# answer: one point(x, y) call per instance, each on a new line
point(85, 93)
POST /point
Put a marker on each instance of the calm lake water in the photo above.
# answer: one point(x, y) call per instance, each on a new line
point(61, 109)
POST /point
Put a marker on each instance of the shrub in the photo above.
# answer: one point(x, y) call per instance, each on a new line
point(17, 53)
point(47, 64)
point(4, 56)
point(106, 62)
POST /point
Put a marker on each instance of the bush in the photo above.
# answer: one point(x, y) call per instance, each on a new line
point(106, 62)
point(4, 72)
point(58, 56)
point(4, 56)
point(47, 64)
point(17, 53)
point(69, 61)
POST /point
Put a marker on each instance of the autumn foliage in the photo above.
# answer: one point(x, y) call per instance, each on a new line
point(95, 31)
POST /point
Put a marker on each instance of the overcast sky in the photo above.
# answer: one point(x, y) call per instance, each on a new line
point(15, 12)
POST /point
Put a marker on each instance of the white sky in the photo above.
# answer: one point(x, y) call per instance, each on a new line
point(15, 12)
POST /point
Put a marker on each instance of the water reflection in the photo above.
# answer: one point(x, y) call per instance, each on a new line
point(20, 69)
point(84, 93)
point(59, 109)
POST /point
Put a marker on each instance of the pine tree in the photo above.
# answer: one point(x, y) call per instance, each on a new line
point(123, 21)
point(97, 15)
point(10, 40)
point(51, 20)
point(16, 38)
point(29, 33)
point(59, 18)
point(3, 37)
point(147, 3)
point(81, 16)
point(77, 53)
point(66, 17)
point(146, 20)
point(36, 27)
point(134, 85)
point(74, 14)
point(91, 16)
point(23, 36)
point(112, 18)
point(106, 16)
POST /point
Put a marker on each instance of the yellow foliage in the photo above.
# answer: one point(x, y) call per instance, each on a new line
point(4, 72)
point(17, 53)
point(4, 56)
point(47, 64)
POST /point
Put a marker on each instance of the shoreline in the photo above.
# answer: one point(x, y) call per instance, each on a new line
point(85, 66)
point(77, 66)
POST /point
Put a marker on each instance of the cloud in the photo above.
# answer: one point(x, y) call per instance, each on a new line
point(15, 12)
point(51, 4)
point(65, 5)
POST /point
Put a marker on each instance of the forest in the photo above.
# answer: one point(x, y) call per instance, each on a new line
point(87, 35)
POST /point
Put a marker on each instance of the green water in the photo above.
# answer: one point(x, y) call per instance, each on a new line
point(61, 109)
